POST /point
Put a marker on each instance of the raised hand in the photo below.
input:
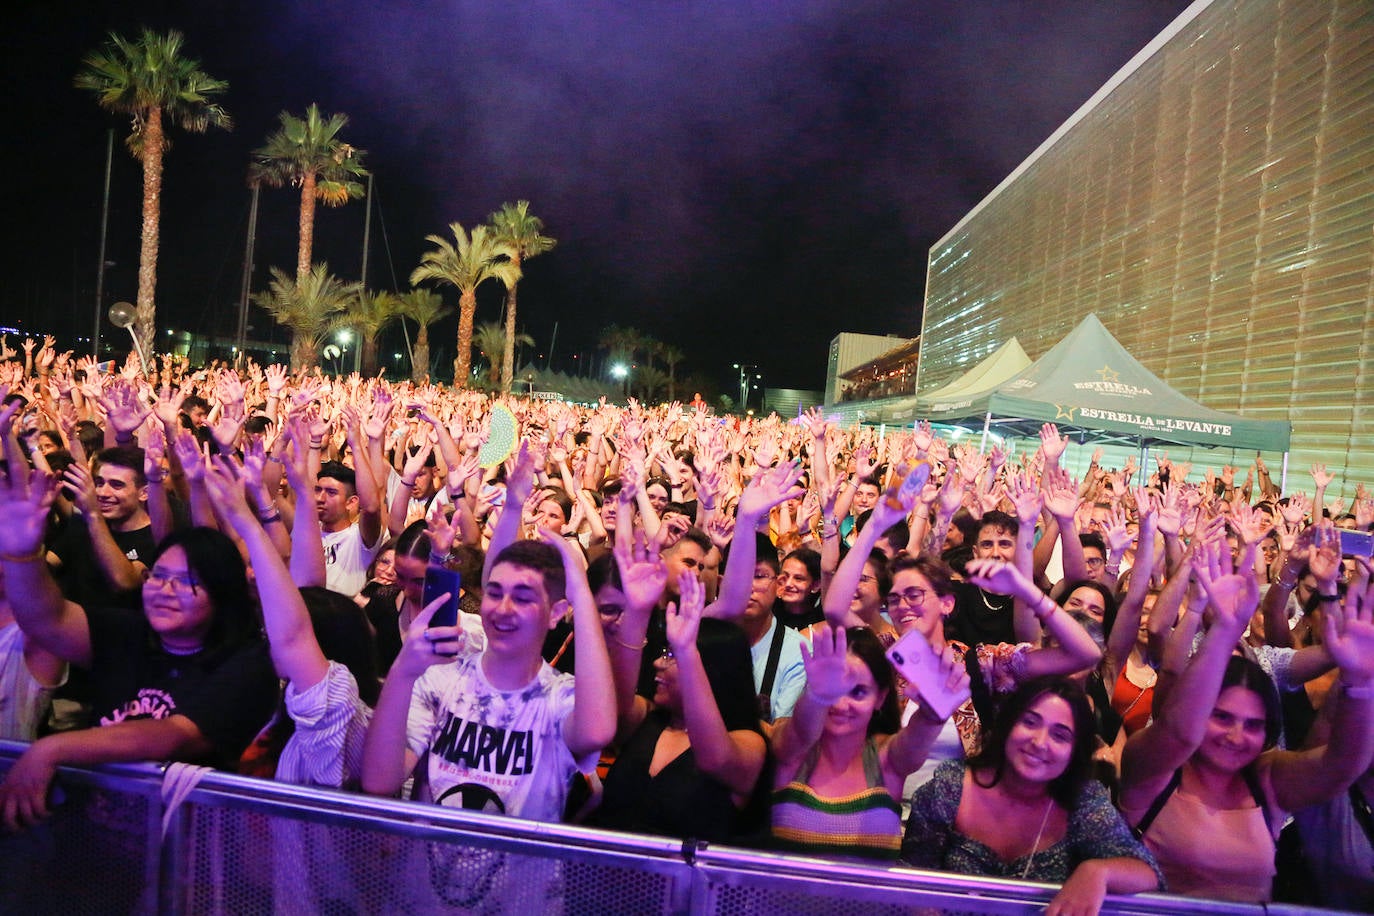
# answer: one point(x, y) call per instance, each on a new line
point(1117, 534)
point(770, 488)
point(124, 408)
point(828, 674)
point(1234, 596)
point(684, 617)
point(1320, 476)
point(643, 574)
point(1324, 556)
point(1001, 578)
point(1052, 445)
point(720, 528)
point(1348, 630)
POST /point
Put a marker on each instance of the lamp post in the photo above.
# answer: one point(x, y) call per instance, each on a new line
point(620, 372)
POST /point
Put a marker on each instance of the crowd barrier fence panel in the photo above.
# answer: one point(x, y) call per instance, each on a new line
point(235, 845)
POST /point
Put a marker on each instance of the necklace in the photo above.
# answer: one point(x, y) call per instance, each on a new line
point(986, 603)
point(1044, 819)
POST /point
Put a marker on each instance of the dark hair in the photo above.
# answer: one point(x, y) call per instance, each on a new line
point(808, 558)
point(676, 508)
point(336, 470)
point(1108, 600)
point(1065, 787)
point(603, 571)
point(90, 435)
point(694, 536)
point(968, 525)
point(1093, 539)
point(663, 482)
point(611, 488)
point(256, 424)
point(880, 572)
point(724, 651)
point(867, 648)
point(414, 541)
point(1242, 672)
point(192, 401)
point(937, 573)
point(345, 636)
point(541, 558)
point(388, 544)
point(52, 435)
point(121, 456)
point(997, 519)
point(899, 536)
point(550, 494)
point(219, 569)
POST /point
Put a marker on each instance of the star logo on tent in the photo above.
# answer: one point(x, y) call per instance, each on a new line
point(1109, 374)
point(1063, 413)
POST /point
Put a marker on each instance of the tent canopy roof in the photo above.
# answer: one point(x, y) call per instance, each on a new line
point(1089, 381)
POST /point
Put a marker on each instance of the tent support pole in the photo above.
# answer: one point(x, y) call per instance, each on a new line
point(987, 423)
point(1283, 479)
point(1144, 463)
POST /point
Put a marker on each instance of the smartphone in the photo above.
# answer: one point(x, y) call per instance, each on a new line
point(916, 661)
point(1356, 543)
point(440, 580)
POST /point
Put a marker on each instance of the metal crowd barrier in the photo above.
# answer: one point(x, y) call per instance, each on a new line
point(234, 845)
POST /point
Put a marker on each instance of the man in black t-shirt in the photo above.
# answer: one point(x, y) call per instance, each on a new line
point(981, 616)
point(101, 555)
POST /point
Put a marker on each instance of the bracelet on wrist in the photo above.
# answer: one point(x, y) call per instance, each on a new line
point(1322, 597)
point(24, 557)
point(269, 519)
point(631, 646)
point(407, 483)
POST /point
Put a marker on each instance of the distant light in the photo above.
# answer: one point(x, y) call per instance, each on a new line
point(619, 371)
point(750, 411)
point(396, 355)
point(344, 336)
point(169, 332)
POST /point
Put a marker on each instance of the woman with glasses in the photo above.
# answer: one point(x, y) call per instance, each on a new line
point(185, 678)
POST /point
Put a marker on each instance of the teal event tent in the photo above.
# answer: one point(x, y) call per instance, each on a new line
point(1089, 382)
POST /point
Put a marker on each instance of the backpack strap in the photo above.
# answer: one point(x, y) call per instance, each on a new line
point(770, 672)
point(1158, 804)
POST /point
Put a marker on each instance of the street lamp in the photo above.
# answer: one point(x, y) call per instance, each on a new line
point(621, 372)
point(744, 370)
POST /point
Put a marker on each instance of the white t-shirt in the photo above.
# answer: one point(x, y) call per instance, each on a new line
point(491, 750)
point(790, 679)
point(346, 559)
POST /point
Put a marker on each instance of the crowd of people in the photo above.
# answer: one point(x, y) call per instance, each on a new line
point(681, 624)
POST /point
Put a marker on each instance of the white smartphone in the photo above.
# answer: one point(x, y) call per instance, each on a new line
point(916, 661)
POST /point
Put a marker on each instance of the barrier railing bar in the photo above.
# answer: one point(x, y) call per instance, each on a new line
point(696, 871)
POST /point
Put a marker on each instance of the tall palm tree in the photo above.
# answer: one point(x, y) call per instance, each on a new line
point(306, 307)
point(514, 226)
point(367, 316)
point(466, 263)
point(150, 79)
point(620, 344)
point(490, 340)
point(671, 356)
point(650, 381)
point(425, 307)
point(307, 153)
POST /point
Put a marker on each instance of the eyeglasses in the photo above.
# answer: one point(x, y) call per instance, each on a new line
point(911, 597)
point(764, 577)
point(181, 582)
point(1094, 561)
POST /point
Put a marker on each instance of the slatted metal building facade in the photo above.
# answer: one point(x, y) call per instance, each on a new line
point(1214, 204)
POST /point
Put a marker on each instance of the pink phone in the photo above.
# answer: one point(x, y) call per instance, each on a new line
point(916, 661)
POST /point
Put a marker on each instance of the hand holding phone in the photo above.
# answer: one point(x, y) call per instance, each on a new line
point(440, 580)
point(1356, 543)
point(940, 688)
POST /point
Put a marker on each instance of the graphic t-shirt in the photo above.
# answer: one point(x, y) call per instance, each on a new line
point(81, 579)
point(346, 559)
point(228, 692)
point(491, 750)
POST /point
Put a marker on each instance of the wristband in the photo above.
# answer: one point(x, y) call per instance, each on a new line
point(269, 519)
point(1328, 597)
point(24, 558)
point(276, 459)
point(407, 483)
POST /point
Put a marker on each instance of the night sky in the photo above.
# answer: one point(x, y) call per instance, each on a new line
point(744, 179)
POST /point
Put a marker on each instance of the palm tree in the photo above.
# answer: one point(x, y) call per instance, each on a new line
point(306, 307)
point(466, 263)
point(650, 381)
point(671, 356)
point(490, 340)
point(307, 153)
point(424, 307)
point(514, 226)
point(367, 315)
point(150, 79)
point(620, 344)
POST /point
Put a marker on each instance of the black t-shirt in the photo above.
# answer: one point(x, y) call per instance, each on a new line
point(980, 617)
point(229, 692)
point(811, 614)
point(81, 578)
